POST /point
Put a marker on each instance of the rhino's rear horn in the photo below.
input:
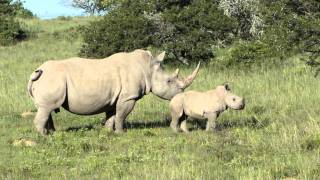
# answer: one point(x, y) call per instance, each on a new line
point(187, 81)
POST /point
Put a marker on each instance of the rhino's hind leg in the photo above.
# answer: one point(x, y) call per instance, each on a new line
point(50, 125)
point(110, 123)
point(43, 121)
point(122, 111)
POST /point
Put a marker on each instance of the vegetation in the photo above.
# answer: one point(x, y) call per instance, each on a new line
point(189, 30)
point(262, 47)
point(11, 30)
point(276, 136)
point(20, 11)
point(171, 26)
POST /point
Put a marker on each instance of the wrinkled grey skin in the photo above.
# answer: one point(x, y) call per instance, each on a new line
point(202, 105)
point(111, 85)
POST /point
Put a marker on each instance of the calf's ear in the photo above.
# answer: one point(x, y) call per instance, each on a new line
point(227, 86)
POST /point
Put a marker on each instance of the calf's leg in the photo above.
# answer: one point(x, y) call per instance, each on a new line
point(183, 124)
point(211, 123)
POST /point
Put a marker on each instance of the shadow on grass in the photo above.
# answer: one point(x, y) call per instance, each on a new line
point(147, 124)
point(128, 125)
point(250, 122)
point(80, 128)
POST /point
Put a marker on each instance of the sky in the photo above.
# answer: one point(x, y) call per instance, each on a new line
point(48, 9)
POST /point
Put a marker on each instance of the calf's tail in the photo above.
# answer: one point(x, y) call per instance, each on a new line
point(35, 76)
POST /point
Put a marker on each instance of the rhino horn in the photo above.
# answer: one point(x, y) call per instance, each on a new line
point(176, 73)
point(187, 81)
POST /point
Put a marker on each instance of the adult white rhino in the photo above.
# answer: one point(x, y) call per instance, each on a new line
point(111, 85)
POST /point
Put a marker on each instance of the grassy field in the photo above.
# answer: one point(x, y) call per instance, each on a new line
point(276, 136)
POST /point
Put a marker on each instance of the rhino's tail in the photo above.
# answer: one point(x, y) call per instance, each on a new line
point(35, 76)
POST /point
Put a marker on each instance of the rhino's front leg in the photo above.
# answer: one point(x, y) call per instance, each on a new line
point(174, 123)
point(183, 124)
point(122, 111)
point(211, 123)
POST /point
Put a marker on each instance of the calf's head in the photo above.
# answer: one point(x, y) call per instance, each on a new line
point(166, 85)
point(232, 101)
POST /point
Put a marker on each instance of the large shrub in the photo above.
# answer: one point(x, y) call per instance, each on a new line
point(185, 29)
point(121, 30)
point(291, 24)
point(188, 31)
point(20, 11)
point(289, 27)
point(10, 30)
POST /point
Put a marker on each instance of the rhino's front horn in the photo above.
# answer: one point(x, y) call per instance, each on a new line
point(187, 81)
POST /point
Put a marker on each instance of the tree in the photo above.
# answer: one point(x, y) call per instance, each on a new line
point(246, 12)
point(184, 28)
point(89, 6)
point(10, 30)
point(20, 11)
point(191, 28)
point(122, 30)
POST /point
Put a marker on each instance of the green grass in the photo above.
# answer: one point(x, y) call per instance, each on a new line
point(276, 136)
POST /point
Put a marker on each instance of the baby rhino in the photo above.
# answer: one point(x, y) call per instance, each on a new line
point(202, 105)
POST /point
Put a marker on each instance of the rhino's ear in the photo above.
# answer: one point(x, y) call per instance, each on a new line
point(160, 57)
point(227, 86)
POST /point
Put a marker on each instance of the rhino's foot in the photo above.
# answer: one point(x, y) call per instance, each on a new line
point(42, 131)
point(119, 131)
point(43, 121)
point(109, 129)
point(109, 125)
point(185, 130)
point(184, 127)
point(176, 129)
point(103, 121)
point(210, 130)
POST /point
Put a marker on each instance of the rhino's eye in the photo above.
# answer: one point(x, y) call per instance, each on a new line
point(233, 99)
point(169, 81)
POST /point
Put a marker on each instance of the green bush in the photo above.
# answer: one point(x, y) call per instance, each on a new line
point(20, 11)
point(247, 53)
point(123, 30)
point(191, 30)
point(186, 30)
point(10, 30)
